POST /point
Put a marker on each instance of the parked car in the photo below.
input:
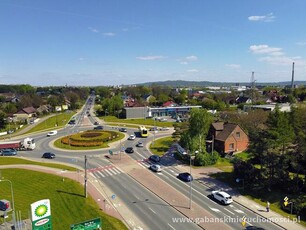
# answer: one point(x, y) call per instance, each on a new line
point(139, 144)
point(254, 228)
point(99, 127)
point(129, 150)
point(52, 133)
point(132, 137)
point(124, 130)
point(154, 158)
point(8, 152)
point(185, 177)
point(155, 167)
point(164, 129)
point(48, 155)
point(222, 197)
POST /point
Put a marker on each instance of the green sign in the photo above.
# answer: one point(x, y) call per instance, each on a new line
point(94, 224)
point(110, 152)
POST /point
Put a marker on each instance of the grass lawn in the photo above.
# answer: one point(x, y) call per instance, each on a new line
point(16, 160)
point(53, 122)
point(161, 145)
point(68, 205)
point(141, 121)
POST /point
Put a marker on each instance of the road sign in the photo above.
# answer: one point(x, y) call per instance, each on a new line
point(93, 224)
point(110, 152)
point(243, 221)
point(113, 196)
point(286, 201)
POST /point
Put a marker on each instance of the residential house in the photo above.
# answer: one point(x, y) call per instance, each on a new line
point(25, 114)
point(169, 104)
point(228, 138)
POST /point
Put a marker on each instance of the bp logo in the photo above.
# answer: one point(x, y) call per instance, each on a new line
point(41, 210)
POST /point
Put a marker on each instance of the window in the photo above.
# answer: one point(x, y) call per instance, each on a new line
point(231, 146)
point(238, 134)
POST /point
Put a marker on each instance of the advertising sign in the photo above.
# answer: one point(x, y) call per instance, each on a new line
point(41, 215)
point(94, 224)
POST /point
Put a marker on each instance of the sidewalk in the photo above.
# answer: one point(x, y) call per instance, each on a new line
point(202, 175)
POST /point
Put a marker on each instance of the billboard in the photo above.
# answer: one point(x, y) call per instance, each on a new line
point(41, 215)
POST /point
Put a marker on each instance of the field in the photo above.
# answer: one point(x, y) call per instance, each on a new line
point(68, 205)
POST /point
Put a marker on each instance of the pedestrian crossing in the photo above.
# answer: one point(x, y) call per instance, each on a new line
point(105, 171)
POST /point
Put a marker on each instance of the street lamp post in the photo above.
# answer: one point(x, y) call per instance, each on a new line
point(190, 192)
point(12, 196)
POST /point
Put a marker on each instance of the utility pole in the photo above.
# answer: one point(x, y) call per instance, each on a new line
point(292, 78)
point(85, 178)
point(252, 87)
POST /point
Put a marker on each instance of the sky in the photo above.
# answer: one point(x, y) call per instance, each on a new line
point(114, 42)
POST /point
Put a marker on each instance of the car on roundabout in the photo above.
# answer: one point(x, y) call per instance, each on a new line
point(185, 176)
point(48, 155)
point(155, 167)
point(132, 137)
point(52, 133)
point(124, 130)
point(222, 197)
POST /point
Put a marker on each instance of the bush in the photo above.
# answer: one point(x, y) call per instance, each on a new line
point(205, 159)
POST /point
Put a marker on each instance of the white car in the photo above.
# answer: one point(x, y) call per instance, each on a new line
point(155, 167)
point(222, 197)
point(51, 133)
point(132, 137)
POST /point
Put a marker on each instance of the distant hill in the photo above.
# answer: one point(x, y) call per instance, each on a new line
point(181, 83)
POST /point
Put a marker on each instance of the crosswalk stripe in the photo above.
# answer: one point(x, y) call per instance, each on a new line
point(108, 172)
point(101, 174)
point(116, 170)
point(112, 171)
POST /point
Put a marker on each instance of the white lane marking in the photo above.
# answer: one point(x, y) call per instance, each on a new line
point(171, 226)
point(215, 209)
point(229, 211)
point(93, 175)
point(152, 210)
point(239, 211)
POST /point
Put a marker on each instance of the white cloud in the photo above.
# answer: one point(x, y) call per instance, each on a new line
point(184, 63)
point(109, 34)
point(191, 58)
point(233, 66)
point(265, 18)
point(192, 71)
point(301, 43)
point(274, 55)
point(94, 30)
point(150, 58)
point(81, 59)
point(265, 49)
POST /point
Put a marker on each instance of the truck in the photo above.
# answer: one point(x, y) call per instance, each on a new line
point(25, 144)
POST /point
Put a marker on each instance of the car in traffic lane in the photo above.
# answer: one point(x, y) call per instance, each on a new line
point(132, 137)
point(155, 167)
point(185, 176)
point(124, 130)
point(129, 150)
point(154, 158)
point(48, 155)
point(222, 197)
point(8, 152)
point(139, 144)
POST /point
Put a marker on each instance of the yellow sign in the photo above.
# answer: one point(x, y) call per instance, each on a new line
point(243, 222)
point(286, 203)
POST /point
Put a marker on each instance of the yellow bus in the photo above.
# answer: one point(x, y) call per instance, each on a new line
point(143, 131)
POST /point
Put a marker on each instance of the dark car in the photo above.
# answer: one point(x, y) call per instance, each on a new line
point(154, 158)
point(254, 228)
point(8, 152)
point(96, 123)
point(185, 177)
point(99, 127)
point(129, 150)
point(124, 130)
point(48, 155)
